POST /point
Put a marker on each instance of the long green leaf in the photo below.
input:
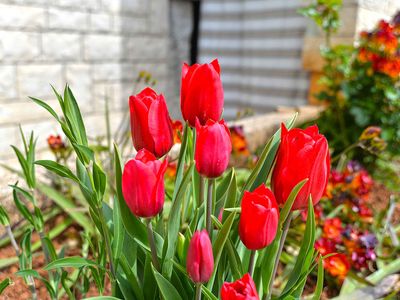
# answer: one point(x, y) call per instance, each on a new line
point(46, 107)
point(67, 205)
point(320, 281)
point(219, 244)
point(71, 262)
point(174, 222)
point(119, 233)
point(167, 290)
point(58, 169)
point(4, 284)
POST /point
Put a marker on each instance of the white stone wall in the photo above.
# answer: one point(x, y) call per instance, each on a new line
point(97, 46)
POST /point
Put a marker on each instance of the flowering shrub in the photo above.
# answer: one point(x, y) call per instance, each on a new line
point(361, 84)
point(350, 230)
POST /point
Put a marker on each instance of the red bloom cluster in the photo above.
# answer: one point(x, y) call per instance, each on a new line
point(302, 154)
point(55, 143)
point(381, 48)
point(351, 188)
point(341, 235)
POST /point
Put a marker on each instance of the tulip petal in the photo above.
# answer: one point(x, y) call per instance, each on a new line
point(160, 127)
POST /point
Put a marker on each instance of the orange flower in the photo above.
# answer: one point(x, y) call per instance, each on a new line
point(337, 265)
point(177, 130)
point(171, 170)
point(238, 139)
point(55, 143)
point(332, 228)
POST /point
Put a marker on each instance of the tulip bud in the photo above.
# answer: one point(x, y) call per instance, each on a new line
point(200, 259)
point(143, 184)
point(242, 289)
point(259, 218)
point(150, 122)
point(213, 148)
point(302, 154)
point(202, 95)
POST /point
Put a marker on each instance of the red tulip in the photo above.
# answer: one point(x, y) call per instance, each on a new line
point(202, 95)
point(259, 218)
point(213, 148)
point(200, 259)
point(302, 154)
point(242, 289)
point(150, 122)
point(143, 184)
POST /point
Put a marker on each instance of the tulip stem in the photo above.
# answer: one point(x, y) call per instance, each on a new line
point(209, 207)
point(286, 226)
point(198, 291)
point(201, 191)
point(152, 243)
point(252, 261)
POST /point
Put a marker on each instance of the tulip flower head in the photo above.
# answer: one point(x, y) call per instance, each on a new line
point(242, 289)
point(200, 259)
point(303, 153)
point(150, 122)
point(143, 184)
point(202, 94)
point(259, 218)
point(213, 148)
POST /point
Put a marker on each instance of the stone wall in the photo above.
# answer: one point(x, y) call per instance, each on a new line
point(97, 46)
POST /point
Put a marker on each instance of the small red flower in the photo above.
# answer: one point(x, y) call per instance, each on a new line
point(325, 246)
point(200, 259)
point(259, 218)
point(337, 265)
point(242, 289)
point(333, 228)
point(55, 143)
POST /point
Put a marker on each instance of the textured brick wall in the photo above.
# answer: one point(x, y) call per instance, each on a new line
point(97, 46)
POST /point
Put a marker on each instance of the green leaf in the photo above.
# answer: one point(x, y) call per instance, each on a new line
point(84, 153)
point(22, 208)
point(320, 281)
point(207, 293)
point(100, 181)
point(74, 117)
point(102, 298)
point(167, 290)
point(174, 222)
point(24, 165)
point(28, 272)
point(219, 244)
point(119, 233)
point(67, 205)
point(306, 249)
point(25, 193)
point(57, 168)
point(46, 107)
point(4, 218)
point(71, 262)
point(290, 200)
point(4, 284)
